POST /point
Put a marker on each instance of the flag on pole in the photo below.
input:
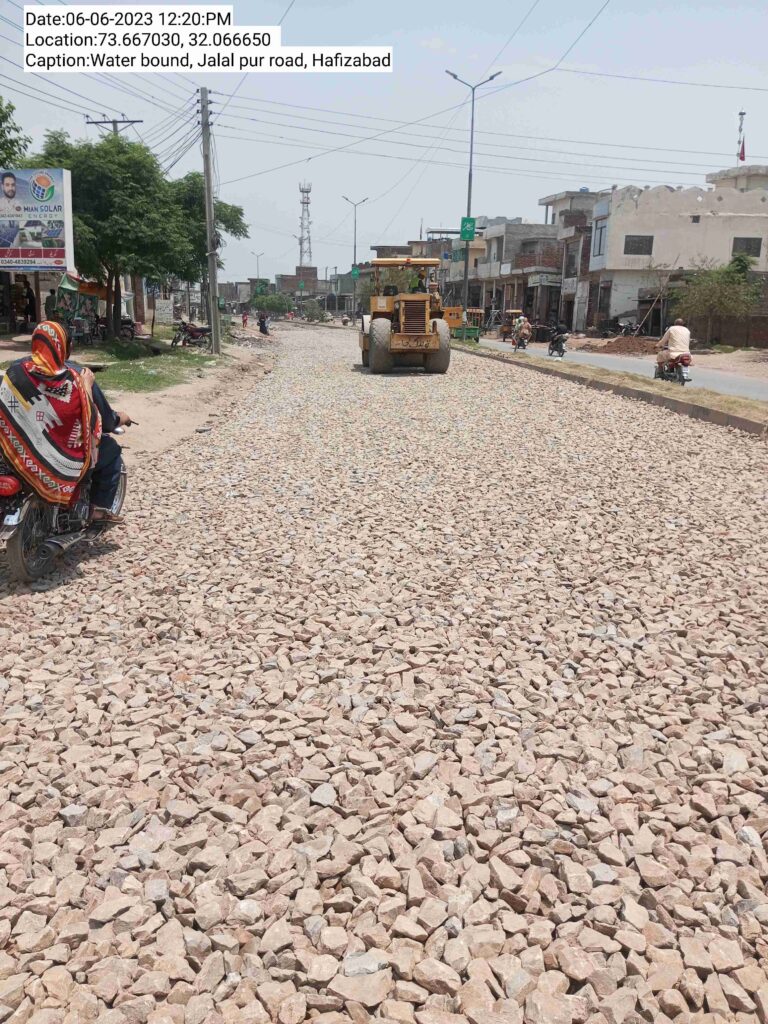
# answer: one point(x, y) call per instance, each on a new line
point(742, 151)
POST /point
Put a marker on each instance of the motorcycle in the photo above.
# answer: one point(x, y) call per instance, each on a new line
point(127, 328)
point(629, 328)
point(557, 342)
point(36, 533)
point(189, 334)
point(676, 369)
point(521, 342)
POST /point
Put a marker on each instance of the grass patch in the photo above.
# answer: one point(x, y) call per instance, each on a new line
point(734, 405)
point(134, 366)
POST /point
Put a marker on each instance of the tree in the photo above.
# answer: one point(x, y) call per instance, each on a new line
point(13, 142)
point(280, 304)
point(126, 219)
point(312, 310)
point(189, 194)
point(713, 291)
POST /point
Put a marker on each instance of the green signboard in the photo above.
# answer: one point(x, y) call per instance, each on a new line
point(355, 272)
point(301, 285)
point(467, 229)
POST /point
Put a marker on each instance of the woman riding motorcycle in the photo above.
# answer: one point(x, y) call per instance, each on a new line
point(51, 426)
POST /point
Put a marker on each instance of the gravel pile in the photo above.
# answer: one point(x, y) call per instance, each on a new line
point(428, 700)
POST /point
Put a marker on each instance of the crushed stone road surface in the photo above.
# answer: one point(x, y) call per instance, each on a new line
point(420, 699)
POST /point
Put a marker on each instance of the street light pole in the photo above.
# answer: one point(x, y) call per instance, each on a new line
point(258, 256)
point(472, 89)
point(354, 254)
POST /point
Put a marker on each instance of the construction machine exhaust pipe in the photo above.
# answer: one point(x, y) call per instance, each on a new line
point(56, 546)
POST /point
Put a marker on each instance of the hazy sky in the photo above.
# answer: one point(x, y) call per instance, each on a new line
point(639, 130)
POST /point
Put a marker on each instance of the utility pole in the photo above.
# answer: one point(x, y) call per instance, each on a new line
point(354, 254)
point(472, 89)
point(114, 122)
point(210, 224)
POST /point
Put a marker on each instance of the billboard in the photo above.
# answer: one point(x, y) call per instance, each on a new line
point(36, 219)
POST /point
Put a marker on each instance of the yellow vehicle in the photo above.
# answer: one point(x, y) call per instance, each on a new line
point(508, 323)
point(405, 328)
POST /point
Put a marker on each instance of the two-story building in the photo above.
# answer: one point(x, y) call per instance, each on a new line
point(643, 237)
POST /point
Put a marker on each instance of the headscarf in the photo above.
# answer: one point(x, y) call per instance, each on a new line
point(49, 427)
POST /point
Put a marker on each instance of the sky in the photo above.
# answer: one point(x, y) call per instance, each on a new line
point(561, 130)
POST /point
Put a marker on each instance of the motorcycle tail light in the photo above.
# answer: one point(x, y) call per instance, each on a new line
point(9, 485)
point(685, 359)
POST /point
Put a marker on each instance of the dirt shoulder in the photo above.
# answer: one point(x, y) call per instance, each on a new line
point(168, 416)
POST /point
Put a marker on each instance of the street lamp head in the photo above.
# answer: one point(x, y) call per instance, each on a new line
point(494, 75)
point(348, 200)
point(452, 74)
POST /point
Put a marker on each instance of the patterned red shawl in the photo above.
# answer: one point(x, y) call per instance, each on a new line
point(49, 428)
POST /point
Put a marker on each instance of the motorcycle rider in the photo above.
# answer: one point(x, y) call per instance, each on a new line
point(105, 478)
point(676, 342)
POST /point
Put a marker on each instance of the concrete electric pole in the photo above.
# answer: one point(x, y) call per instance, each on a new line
point(210, 224)
point(114, 122)
point(354, 255)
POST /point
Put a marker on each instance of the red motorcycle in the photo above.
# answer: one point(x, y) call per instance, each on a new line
point(675, 369)
point(189, 334)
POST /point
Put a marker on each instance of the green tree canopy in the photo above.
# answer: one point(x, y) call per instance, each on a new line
point(125, 216)
point(715, 292)
point(278, 303)
point(189, 195)
point(13, 142)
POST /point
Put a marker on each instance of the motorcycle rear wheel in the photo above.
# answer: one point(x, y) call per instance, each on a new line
point(23, 547)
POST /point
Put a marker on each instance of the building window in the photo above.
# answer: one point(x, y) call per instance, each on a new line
point(638, 245)
point(695, 218)
point(747, 246)
point(529, 246)
point(598, 242)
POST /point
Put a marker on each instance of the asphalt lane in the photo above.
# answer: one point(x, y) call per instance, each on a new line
point(715, 380)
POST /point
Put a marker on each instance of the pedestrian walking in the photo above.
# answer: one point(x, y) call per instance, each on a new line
point(263, 323)
point(245, 318)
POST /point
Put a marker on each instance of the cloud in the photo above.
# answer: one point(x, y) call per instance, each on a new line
point(437, 43)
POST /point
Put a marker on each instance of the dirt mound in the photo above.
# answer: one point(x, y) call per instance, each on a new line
point(624, 346)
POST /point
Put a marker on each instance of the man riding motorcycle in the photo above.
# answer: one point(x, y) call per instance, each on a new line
point(676, 342)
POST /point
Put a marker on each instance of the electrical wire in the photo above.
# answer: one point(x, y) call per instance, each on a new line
point(240, 83)
point(43, 97)
point(465, 131)
point(515, 148)
point(388, 131)
point(442, 163)
point(520, 24)
point(664, 81)
point(523, 159)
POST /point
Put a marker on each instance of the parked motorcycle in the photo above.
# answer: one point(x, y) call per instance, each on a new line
point(127, 328)
point(676, 369)
point(189, 334)
point(36, 533)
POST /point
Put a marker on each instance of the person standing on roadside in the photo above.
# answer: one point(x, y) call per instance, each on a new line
point(245, 318)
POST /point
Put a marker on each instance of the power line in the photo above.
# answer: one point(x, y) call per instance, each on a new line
point(43, 97)
point(464, 131)
point(516, 147)
point(449, 149)
point(520, 24)
point(664, 81)
point(441, 163)
point(240, 83)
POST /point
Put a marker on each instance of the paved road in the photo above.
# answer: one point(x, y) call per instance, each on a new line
point(437, 700)
point(715, 380)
